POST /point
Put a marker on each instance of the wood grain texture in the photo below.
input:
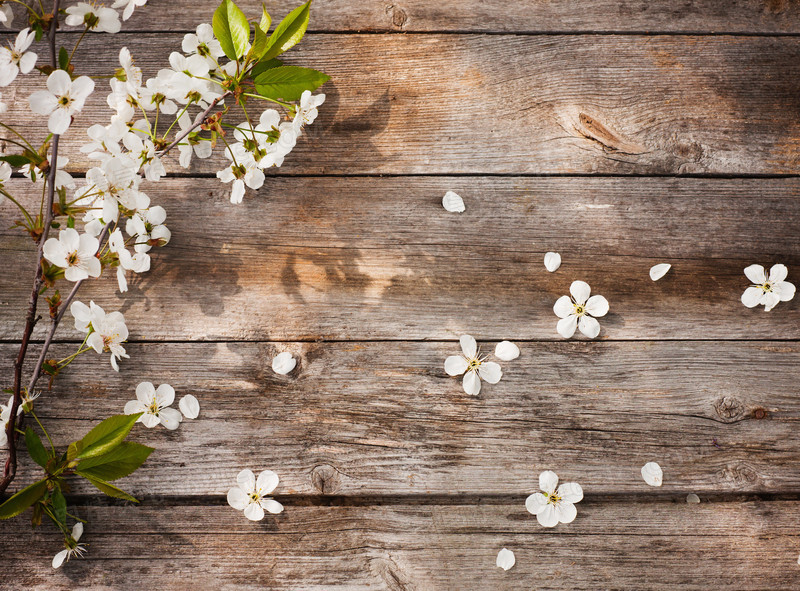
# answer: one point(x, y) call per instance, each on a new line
point(658, 545)
point(371, 258)
point(374, 418)
point(426, 104)
point(756, 16)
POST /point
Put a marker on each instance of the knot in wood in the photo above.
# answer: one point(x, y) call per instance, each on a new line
point(399, 16)
point(729, 408)
point(760, 413)
point(325, 479)
point(740, 474)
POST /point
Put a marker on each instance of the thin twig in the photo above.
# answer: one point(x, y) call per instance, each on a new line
point(10, 470)
point(198, 121)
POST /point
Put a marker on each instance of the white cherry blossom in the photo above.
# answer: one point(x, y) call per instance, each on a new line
point(130, 6)
point(242, 171)
point(767, 291)
point(155, 404)
point(63, 178)
point(190, 145)
point(17, 59)
point(580, 311)
point(5, 416)
point(63, 98)
point(75, 253)
point(145, 153)
point(250, 494)
point(73, 548)
point(473, 366)
point(554, 505)
point(147, 225)
point(203, 43)
point(107, 331)
point(307, 110)
point(138, 262)
point(100, 19)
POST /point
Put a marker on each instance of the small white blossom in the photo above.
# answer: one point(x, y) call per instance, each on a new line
point(63, 178)
point(658, 271)
point(155, 94)
point(130, 6)
point(552, 261)
point(472, 366)
point(96, 18)
point(63, 98)
point(138, 263)
point(453, 202)
point(580, 312)
point(242, 171)
point(553, 506)
point(307, 110)
point(6, 15)
point(283, 363)
point(73, 548)
point(191, 144)
point(652, 474)
point(506, 559)
point(154, 403)
point(107, 331)
point(147, 225)
point(18, 58)
point(768, 291)
point(189, 406)
point(145, 153)
point(75, 253)
point(506, 351)
point(203, 43)
point(5, 417)
point(250, 494)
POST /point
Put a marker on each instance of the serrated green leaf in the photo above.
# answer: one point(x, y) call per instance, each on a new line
point(59, 506)
point(63, 58)
point(289, 32)
point(263, 66)
point(23, 499)
point(288, 82)
point(15, 160)
point(259, 44)
point(103, 438)
point(35, 448)
point(231, 29)
point(120, 461)
point(109, 489)
point(266, 20)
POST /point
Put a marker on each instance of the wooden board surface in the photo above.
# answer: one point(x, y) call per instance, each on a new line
point(500, 104)
point(743, 545)
point(559, 136)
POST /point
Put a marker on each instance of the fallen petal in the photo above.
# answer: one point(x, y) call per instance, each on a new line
point(658, 271)
point(505, 559)
point(692, 498)
point(506, 351)
point(652, 474)
point(453, 202)
point(189, 406)
point(283, 363)
point(552, 261)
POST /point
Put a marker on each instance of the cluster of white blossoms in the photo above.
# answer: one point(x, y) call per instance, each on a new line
point(105, 333)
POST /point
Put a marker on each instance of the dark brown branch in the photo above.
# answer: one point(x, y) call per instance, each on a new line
point(10, 470)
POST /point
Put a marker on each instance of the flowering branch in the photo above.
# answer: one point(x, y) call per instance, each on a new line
point(198, 121)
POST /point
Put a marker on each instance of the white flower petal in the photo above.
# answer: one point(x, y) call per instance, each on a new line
point(552, 261)
point(77, 531)
point(563, 307)
point(145, 392)
point(133, 407)
point(566, 326)
point(453, 202)
point(785, 290)
point(692, 498)
point(580, 291)
point(170, 417)
point(570, 492)
point(597, 306)
point(589, 326)
point(254, 512)
point(471, 383)
point(566, 512)
point(536, 503)
point(778, 273)
point(756, 274)
point(58, 559)
point(246, 481)
point(490, 371)
point(652, 474)
point(455, 365)
point(658, 271)
point(752, 296)
point(267, 482)
point(238, 499)
point(770, 299)
point(468, 346)
point(283, 363)
point(189, 406)
point(548, 481)
point(505, 559)
point(165, 395)
point(149, 420)
point(547, 516)
point(272, 506)
point(506, 351)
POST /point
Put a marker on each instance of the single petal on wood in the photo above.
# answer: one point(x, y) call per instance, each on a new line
point(658, 271)
point(189, 406)
point(552, 261)
point(505, 559)
point(283, 363)
point(652, 474)
point(692, 498)
point(453, 202)
point(506, 351)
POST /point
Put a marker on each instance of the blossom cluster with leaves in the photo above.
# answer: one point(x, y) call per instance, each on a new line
point(227, 90)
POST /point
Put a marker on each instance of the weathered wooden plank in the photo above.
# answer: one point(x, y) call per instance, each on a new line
point(369, 258)
point(631, 545)
point(383, 418)
point(758, 16)
point(520, 104)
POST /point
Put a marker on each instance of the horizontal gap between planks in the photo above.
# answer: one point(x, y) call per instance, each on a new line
point(306, 500)
point(400, 340)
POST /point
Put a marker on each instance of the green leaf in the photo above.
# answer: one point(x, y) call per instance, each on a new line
point(23, 499)
point(60, 506)
point(15, 160)
point(107, 435)
point(231, 29)
point(266, 20)
point(120, 461)
point(109, 489)
point(288, 82)
point(289, 32)
point(259, 44)
point(263, 66)
point(63, 58)
point(35, 448)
